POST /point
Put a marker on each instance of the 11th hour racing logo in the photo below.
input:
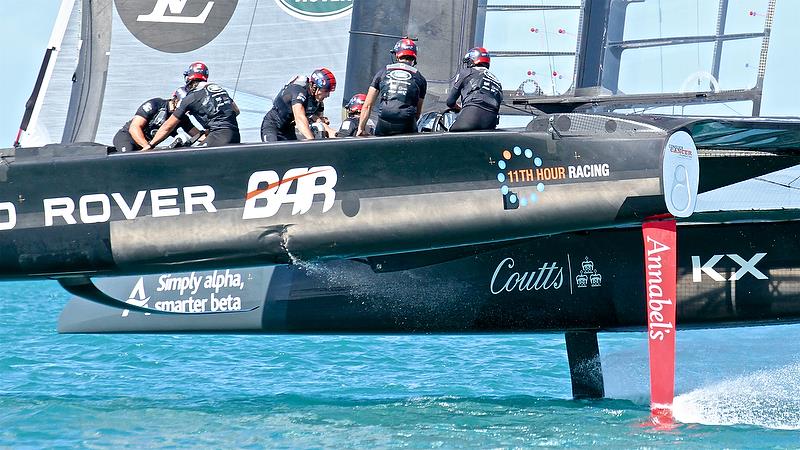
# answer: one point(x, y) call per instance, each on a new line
point(175, 26)
point(316, 10)
point(522, 175)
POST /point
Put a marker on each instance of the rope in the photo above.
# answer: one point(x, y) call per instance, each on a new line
point(244, 53)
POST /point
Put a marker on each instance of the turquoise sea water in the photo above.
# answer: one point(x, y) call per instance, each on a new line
point(735, 388)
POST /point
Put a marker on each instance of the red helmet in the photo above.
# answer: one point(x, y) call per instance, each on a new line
point(356, 103)
point(405, 47)
point(477, 55)
point(323, 79)
point(196, 71)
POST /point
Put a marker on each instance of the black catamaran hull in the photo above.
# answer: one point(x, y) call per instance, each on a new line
point(92, 213)
point(727, 275)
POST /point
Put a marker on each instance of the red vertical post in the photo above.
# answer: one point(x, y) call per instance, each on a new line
point(660, 258)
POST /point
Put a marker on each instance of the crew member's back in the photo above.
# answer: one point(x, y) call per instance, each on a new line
point(480, 91)
point(209, 104)
point(400, 90)
point(214, 109)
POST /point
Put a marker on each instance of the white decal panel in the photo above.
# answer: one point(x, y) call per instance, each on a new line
point(195, 292)
point(511, 276)
point(266, 191)
point(680, 174)
point(159, 13)
point(746, 266)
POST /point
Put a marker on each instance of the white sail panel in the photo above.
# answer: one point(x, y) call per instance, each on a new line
point(49, 114)
point(257, 50)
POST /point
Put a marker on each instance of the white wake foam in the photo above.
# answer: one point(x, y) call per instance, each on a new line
point(768, 398)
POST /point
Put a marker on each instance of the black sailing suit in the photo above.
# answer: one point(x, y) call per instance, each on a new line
point(155, 112)
point(213, 108)
point(481, 95)
point(401, 87)
point(278, 123)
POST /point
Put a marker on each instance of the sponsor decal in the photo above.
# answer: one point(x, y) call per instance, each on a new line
point(522, 175)
point(193, 292)
point(398, 82)
point(520, 169)
point(190, 284)
point(98, 208)
point(661, 288)
point(745, 267)
point(660, 278)
point(137, 297)
point(508, 279)
point(266, 193)
point(155, 23)
point(680, 174)
point(680, 150)
point(159, 13)
point(509, 276)
point(588, 171)
point(400, 75)
point(8, 215)
point(588, 275)
point(316, 10)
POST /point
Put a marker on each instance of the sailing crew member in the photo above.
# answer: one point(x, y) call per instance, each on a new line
point(480, 92)
point(299, 104)
point(402, 90)
point(350, 125)
point(135, 134)
point(209, 104)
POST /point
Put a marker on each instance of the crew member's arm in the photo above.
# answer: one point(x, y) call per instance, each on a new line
point(165, 130)
point(452, 96)
point(136, 130)
point(235, 107)
point(423, 89)
point(366, 110)
point(300, 119)
point(326, 125)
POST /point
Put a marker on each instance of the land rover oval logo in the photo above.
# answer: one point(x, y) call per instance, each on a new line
point(401, 75)
point(316, 10)
point(175, 26)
